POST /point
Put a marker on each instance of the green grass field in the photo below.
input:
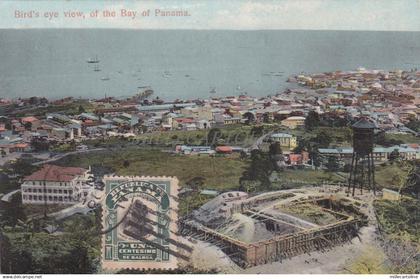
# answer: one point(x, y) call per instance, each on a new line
point(388, 175)
point(219, 172)
point(406, 138)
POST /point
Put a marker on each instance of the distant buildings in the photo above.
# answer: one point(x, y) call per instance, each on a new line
point(294, 122)
point(405, 152)
point(285, 140)
point(56, 185)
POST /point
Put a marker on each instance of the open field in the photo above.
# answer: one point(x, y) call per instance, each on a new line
point(218, 172)
point(388, 175)
point(405, 138)
point(304, 176)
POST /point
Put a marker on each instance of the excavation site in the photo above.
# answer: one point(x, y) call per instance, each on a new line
point(273, 226)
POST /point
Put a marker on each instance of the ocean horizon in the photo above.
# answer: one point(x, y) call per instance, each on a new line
point(187, 63)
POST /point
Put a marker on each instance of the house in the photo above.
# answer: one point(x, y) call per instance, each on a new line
point(285, 140)
point(202, 112)
point(13, 144)
point(184, 149)
point(224, 119)
point(293, 122)
point(406, 152)
point(224, 149)
point(56, 185)
point(182, 123)
point(31, 122)
point(298, 159)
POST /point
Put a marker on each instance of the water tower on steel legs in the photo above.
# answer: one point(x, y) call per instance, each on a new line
point(362, 172)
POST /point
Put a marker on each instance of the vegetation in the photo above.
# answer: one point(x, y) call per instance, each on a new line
point(69, 108)
point(290, 178)
point(389, 175)
point(332, 164)
point(75, 250)
point(312, 120)
point(371, 261)
point(399, 222)
point(257, 176)
point(191, 202)
point(64, 147)
point(218, 172)
point(400, 219)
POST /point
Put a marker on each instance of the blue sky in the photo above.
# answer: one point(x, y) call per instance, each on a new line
point(384, 15)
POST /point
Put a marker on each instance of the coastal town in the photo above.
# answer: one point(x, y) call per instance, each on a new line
point(58, 158)
point(389, 98)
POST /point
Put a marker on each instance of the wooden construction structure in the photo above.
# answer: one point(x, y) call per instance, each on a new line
point(291, 241)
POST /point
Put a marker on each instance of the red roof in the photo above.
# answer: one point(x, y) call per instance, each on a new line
point(295, 157)
point(21, 145)
point(29, 119)
point(184, 120)
point(55, 173)
point(224, 149)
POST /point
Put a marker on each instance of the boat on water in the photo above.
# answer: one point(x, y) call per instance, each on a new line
point(274, 74)
point(105, 78)
point(213, 91)
point(96, 69)
point(166, 74)
point(93, 60)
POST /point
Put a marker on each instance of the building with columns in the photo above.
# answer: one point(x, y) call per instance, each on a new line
point(56, 185)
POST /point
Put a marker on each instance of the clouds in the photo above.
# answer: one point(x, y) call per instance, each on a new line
point(235, 14)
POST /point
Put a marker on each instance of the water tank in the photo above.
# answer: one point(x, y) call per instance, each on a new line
point(363, 133)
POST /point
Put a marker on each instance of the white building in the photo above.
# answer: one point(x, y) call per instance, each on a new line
point(56, 185)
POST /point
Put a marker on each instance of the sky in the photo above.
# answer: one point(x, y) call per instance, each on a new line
point(371, 15)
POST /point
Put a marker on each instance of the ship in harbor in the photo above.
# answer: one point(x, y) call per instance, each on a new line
point(93, 60)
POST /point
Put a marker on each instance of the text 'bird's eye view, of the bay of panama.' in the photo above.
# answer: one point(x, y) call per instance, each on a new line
point(210, 137)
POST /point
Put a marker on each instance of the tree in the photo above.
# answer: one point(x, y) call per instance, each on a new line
point(412, 185)
point(257, 131)
point(323, 139)
point(414, 125)
point(75, 251)
point(22, 167)
point(81, 109)
point(394, 155)
point(303, 145)
point(276, 155)
point(213, 135)
point(275, 149)
point(196, 182)
point(28, 126)
point(332, 164)
point(259, 170)
point(13, 211)
point(266, 118)
point(243, 155)
point(40, 144)
point(312, 120)
point(249, 117)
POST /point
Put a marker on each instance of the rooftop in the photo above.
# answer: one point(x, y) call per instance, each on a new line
point(55, 173)
point(364, 124)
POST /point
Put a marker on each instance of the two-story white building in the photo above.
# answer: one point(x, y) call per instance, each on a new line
point(56, 185)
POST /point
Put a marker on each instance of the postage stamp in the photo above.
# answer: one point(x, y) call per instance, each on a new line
point(139, 220)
